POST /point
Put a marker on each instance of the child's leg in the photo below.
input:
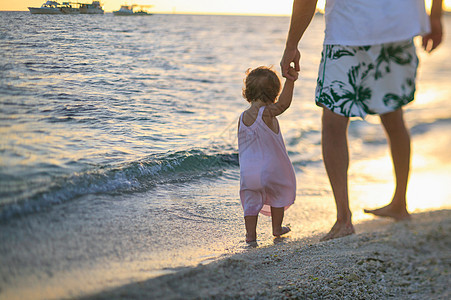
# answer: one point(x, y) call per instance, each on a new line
point(251, 228)
point(277, 218)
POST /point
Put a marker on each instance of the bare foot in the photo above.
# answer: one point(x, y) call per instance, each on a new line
point(339, 230)
point(282, 231)
point(252, 244)
point(251, 238)
point(389, 211)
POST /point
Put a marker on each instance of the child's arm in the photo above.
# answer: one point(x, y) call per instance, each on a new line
point(285, 97)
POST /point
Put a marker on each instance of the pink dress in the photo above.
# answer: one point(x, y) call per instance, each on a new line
point(267, 175)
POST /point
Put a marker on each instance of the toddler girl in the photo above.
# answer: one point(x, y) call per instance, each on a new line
point(268, 183)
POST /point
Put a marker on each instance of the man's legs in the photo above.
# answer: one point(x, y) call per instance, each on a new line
point(399, 141)
point(336, 160)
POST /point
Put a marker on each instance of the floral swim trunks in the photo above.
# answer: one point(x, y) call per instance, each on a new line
point(354, 81)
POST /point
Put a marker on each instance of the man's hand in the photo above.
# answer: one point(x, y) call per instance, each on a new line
point(290, 56)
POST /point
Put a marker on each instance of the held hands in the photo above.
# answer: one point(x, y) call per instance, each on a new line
point(292, 74)
point(290, 56)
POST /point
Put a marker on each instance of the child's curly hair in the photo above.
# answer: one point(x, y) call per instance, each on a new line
point(262, 84)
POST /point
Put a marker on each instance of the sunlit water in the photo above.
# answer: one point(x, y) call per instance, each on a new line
point(118, 149)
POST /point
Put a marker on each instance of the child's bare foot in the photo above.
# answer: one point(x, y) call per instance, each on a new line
point(251, 244)
point(283, 230)
point(251, 238)
point(251, 228)
point(339, 230)
point(390, 211)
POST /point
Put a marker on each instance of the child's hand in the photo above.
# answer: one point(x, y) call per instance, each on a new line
point(293, 73)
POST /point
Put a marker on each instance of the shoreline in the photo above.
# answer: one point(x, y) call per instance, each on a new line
point(409, 260)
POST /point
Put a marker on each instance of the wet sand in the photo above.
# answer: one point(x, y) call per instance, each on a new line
point(385, 259)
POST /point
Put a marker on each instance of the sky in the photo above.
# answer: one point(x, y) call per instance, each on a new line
point(265, 7)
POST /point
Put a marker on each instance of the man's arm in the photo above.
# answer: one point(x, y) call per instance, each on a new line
point(434, 38)
point(302, 14)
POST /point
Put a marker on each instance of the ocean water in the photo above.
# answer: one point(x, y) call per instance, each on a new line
point(118, 145)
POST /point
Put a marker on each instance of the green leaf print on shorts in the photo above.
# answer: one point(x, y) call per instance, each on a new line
point(397, 101)
point(337, 51)
point(392, 53)
point(351, 95)
point(354, 81)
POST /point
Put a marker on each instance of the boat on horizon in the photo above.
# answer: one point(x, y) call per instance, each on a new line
point(95, 8)
point(48, 8)
point(128, 10)
point(67, 8)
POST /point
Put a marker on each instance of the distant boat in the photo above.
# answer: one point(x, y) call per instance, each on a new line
point(94, 8)
point(48, 8)
point(127, 10)
point(67, 8)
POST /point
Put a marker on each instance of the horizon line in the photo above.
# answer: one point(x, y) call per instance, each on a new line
point(191, 13)
point(445, 12)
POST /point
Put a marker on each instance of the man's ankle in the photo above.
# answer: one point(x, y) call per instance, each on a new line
point(344, 219)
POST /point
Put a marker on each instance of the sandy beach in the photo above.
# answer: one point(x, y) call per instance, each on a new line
point(404, 260)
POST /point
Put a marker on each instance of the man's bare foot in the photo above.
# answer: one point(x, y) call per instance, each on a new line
point(339, 230)
point(282, 231)
point(390, 211)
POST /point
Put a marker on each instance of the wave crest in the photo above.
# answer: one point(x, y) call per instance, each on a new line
point(181, 166)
